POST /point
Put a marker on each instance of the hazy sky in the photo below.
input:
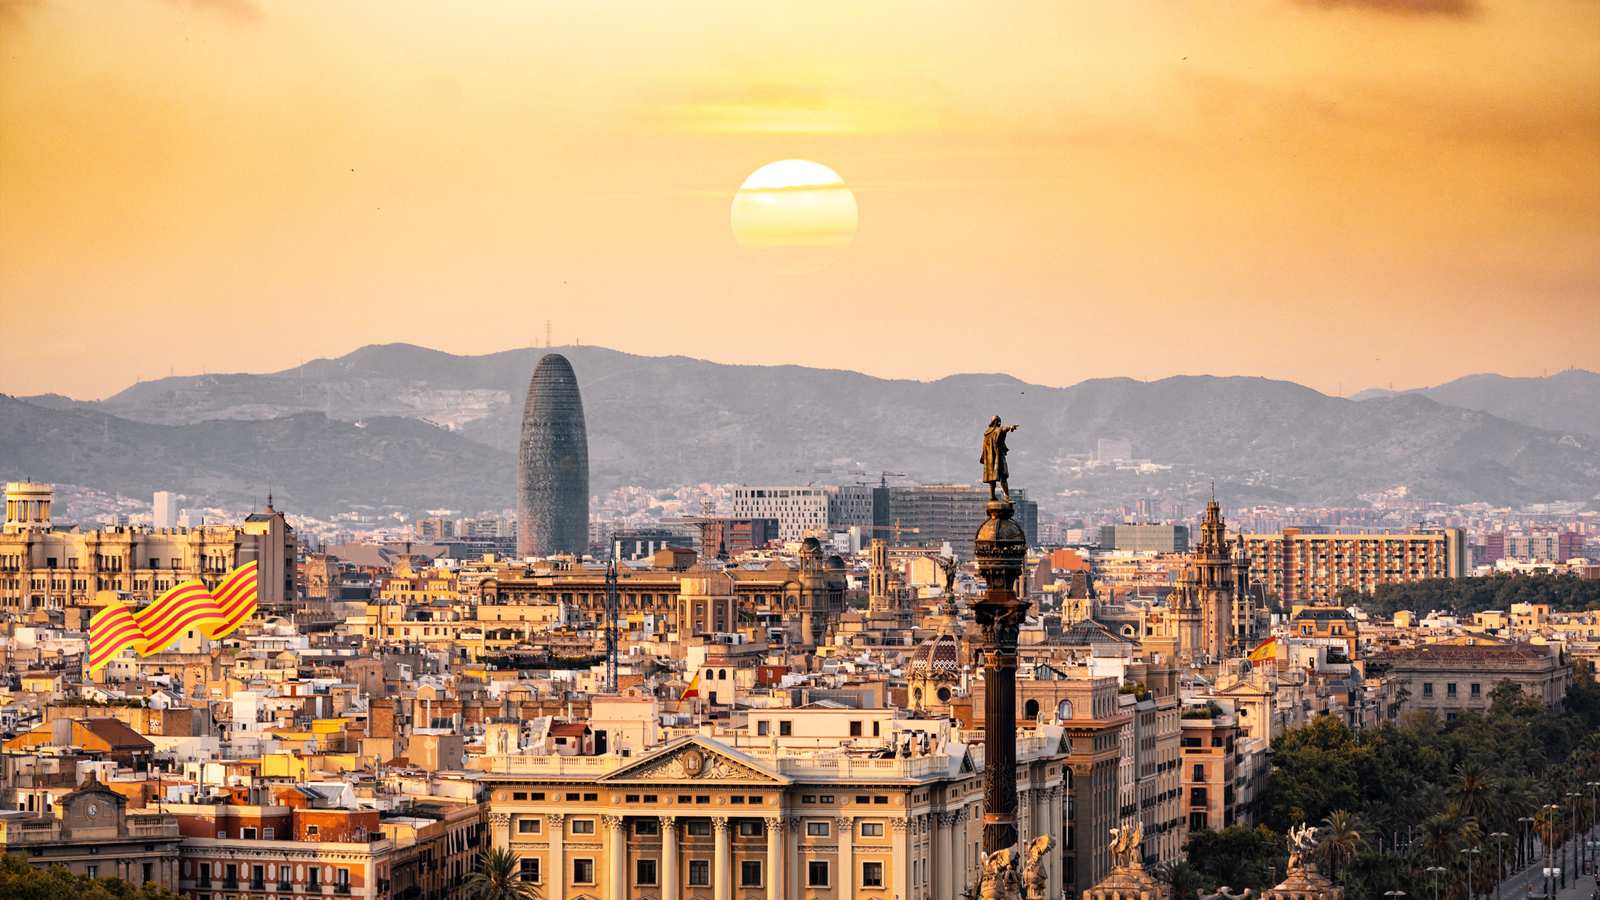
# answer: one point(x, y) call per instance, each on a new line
point(1343, 194)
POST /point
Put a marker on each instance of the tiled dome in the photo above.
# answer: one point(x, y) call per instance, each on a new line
point(938, 656)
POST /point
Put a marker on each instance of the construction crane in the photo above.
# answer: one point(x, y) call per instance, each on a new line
point(898, 529)
point(611, 626)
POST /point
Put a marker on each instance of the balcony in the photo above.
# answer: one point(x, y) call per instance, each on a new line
point(341, 888)
point(257, 884)
point(205, 881)
point(285, 887)
point(230, 884)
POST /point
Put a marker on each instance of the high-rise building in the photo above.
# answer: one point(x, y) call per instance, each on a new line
point(166, 510)
point(1145, 538)
point(1301, 567)
point(553, 464)
point(801, 510)
point(934, 514)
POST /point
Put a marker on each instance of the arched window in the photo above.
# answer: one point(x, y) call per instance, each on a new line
point(1030, 710)
point(1064, 710)
point(722, 674)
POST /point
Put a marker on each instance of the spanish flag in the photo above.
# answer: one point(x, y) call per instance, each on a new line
point(189, 605)
point(1267, 649)
point(693, 690)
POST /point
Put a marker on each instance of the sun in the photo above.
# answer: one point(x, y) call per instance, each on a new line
point(794, 216)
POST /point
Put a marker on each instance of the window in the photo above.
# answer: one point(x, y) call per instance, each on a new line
point(520, 795)
point(313, 876)
point(785, 728)
point(1427, 689)
point(644, 871)
point(825, 798)
point(647, 826)
point(863, 798)
point(1450, 689)
point(205, 874)
point(738, 800)
point(761, 728)
point(536, 796)
point(1199, 773)
point(583, 826)
point(855, 729)
point(872, 829)
point(92, 871)
point(341, 876)
point(880, 801)
point(817, 874)
point(283, 874)
point(1477, 691)
point(311, 830)
point(583, 871)
point(872, 874)
point(817, 829)
point(700, 871)
point(749, 829)
point(573, 798)
point(530, 870)
point(269, 833)
point(808, 798)
point(590, 798)
point(750, 873)
point(248, 834)
point(529, 826)
point(699, 826)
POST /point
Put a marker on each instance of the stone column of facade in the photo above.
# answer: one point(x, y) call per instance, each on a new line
point(792, 872)
point(845, 878)
point(500, 829)
point(1000, 547)
point(556, 878)
point(722, 879)
point(617, 838)
point(948, 883)
point(669, 858)
point(1025, 832)
point(775, 856)
point(902, 857)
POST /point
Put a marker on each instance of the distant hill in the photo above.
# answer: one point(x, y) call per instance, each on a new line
point(660, 421)
point(312, 464)
point(1566, 401)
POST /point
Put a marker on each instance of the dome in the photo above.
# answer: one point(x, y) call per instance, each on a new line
point(836, 561)
point(1002, 529)
point(938, 656)
point(811, 547)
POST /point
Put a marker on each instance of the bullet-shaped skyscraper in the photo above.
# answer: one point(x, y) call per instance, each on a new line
point(553, 464)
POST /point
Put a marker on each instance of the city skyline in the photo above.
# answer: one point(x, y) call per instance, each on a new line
point(1353, 194)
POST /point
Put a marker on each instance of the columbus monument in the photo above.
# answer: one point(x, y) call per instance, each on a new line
point(553, 464)
point(1001, 548)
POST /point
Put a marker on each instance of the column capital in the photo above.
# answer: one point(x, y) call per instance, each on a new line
point(846, 823)
point(558, 821)
point(794, 824)
point(612, 821)
point(669, 823)
point(776, 824)
point(899, 825)
point(720, 823)
point(499, 819)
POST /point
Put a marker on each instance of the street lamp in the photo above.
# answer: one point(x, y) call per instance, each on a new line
point(1470, 863)
point(1523, 825)
point(1572, 804)
point(1435, 870)
point(1395, 894)
point(1594, 854)
point(1549, 834)
point(1499, 838)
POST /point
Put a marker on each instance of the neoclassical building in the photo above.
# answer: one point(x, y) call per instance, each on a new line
point(699, 819)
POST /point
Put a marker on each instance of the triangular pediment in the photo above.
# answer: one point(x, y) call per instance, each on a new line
point(695, 759)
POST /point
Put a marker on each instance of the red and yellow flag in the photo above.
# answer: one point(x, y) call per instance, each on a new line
point(693, 690)
point(1267, 649)
point(189, 605)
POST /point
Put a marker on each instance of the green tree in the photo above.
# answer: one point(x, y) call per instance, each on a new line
point(499, 877)
point(1184, 880)
point(1318, 769)
point(19, 880)
point(1236, 856)
point(1340, 838)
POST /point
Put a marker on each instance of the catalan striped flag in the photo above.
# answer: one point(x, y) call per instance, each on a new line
point(189, 605)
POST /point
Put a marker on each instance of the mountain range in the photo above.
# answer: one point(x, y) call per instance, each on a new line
point(411, 428)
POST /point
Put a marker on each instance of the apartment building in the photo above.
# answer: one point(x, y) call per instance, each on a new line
point(1301, 567)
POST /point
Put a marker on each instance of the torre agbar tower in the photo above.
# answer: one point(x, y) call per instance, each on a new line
point(553, 464)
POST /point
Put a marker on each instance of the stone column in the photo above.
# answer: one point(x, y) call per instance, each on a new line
point(945, 855)
point(556, 879)
point(902, 857)
point(500, 829)
point(617, 837)
point(775, 858)
point(722, 868)
point(845, 878)
point(792, 885)
point(1000, 547)
point(669, 858)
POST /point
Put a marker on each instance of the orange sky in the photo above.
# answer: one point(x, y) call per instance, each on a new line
point(1343, 194)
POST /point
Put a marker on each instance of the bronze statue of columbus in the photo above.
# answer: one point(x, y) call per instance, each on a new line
point(994, 457)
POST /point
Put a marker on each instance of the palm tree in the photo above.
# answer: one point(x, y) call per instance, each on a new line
point(1440, 835)
point(1183, 879)
point(499, 877)
point(1471, 790)
point(1341, 838)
